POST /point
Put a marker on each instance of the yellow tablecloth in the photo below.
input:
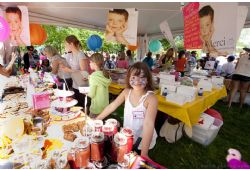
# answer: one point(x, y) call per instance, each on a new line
point(115, 88)
point(189, 113)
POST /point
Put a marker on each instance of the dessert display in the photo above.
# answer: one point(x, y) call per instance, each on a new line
point(40, 138)
point(62, 106)
point(14, 101)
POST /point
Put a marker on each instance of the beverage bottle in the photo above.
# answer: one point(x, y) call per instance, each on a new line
point(200, 92)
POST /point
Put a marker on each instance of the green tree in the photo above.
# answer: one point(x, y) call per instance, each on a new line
point(165, 44)
point(179, 42)
point(57, 35)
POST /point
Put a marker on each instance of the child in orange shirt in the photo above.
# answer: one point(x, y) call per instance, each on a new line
point(181, 62)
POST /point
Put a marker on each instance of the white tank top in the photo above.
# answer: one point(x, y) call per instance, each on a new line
point(134, 118)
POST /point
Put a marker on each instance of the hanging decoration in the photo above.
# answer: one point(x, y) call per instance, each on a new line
point(132, 47)
point(154, 45)
point(94, 42)
point(38, 34)
point(4, 29)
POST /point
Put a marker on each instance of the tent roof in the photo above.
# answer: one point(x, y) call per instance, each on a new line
point(93, 15)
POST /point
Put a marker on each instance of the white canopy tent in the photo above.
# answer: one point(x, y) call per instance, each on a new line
point(93, 15)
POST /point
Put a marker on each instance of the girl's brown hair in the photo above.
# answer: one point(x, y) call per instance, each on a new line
point(73, 39)
point(138, 68)
point(169, 54)
point(97, 58)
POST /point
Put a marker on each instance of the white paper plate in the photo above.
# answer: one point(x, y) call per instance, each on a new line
point(63, 104)
point(63, 93)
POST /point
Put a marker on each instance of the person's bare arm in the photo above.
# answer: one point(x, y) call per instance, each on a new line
point(55, 67)
point(112, 106)
point(4, 71)
point(84, 64)
point(7, 71)
point(67, 69)
point(149, 124)
point(160, 60)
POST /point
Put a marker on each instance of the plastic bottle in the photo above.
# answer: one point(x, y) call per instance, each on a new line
point(200, 92)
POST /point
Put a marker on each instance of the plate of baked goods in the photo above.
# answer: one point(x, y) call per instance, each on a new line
point(62, 114)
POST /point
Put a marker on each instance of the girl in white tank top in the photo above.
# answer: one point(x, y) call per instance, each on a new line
point(140, 106)
point(134, 118)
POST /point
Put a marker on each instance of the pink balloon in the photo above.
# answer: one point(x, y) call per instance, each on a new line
point(4, 29)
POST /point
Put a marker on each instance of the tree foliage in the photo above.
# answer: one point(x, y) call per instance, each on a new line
point(57, 35)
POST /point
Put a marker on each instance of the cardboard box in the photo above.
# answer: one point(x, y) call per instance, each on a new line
point(206, 84)
point(176, 98)
point(217, 81)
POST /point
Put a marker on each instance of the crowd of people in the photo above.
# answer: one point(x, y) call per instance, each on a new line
point(139, 86)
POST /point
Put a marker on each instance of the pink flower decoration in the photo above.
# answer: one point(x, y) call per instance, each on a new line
point(4, 29)
point(42, 57)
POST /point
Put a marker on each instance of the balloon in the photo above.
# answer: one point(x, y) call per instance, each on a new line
point(132, 47)
point(154, 45)
point(4, 29)
point(38, 34)
point(94, 42)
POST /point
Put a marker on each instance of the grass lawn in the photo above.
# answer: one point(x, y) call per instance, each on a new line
point(185, 153)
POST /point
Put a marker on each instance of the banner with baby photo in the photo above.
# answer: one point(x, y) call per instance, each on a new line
point(122, 26)
point(18, 20)
point(218, 27)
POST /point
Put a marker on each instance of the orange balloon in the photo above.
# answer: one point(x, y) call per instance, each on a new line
point(132, 47)
point(38, 34)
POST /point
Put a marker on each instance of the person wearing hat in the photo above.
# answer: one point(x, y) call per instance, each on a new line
point(229, 67)
point(241, 77)
point(28, 58)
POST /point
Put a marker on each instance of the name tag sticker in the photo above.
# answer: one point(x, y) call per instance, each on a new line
point(138, 115)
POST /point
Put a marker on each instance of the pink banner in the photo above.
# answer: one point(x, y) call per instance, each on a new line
point(192, 26)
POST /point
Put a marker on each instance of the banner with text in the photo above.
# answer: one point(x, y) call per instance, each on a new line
point(191, 26)
point(214, 27)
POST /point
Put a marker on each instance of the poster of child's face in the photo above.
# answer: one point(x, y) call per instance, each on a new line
point(121, 26)
point(18, 20)
point(217, 32)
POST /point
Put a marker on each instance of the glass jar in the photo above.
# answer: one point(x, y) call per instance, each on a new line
point(82, 153)
point(97, 146)
point(62, 163)
point(71, 157)
point(119, 147)
point(108, 131)
point(88, 130)
point(114, 123)
point(130, 138)
point(98, 125)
